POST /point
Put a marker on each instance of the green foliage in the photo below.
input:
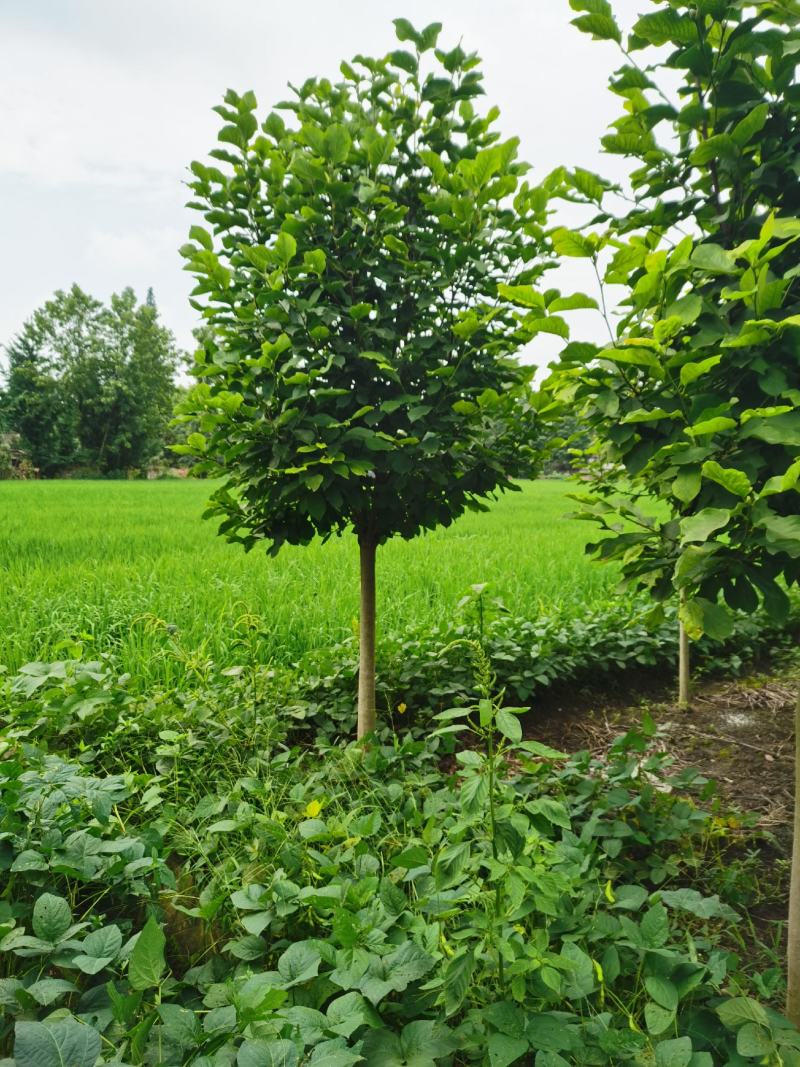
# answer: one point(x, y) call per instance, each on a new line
point(341, 906)
point(90, 386)
point(694, 402)
point(358, 371)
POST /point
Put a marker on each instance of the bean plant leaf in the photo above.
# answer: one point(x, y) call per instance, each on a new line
point(147, 962)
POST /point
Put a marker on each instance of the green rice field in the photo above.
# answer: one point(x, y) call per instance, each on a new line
point(132, 567)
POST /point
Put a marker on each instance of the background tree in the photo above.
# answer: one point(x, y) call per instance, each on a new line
point(368, 277)
point(695, 402)
point(90, 385)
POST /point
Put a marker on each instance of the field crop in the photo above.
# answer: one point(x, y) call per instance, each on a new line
point(101, 562)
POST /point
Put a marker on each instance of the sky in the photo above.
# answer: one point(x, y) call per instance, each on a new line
point(104, 103)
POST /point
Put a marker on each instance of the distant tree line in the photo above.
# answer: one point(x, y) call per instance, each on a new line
point(89, 388)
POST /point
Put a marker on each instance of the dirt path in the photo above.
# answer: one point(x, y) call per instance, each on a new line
point(741, 734)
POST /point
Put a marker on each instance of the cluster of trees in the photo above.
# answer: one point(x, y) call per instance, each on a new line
point(90, 387)
point(369, 270)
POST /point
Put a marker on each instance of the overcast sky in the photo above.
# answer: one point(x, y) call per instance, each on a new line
point(104, 103)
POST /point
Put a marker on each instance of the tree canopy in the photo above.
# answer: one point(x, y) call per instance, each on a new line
point(91, 385)
point(367, 273)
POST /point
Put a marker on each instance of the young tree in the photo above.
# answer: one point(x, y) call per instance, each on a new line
point(695, 402)
point(367, 278)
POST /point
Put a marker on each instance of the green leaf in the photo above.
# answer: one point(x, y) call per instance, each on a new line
point(315, 261)
point(601, 27)
point(147, 962)
point(51, 917)
point(709, 426)
point(701, 525)
point(572, 303)
point(406, 32)
point(299, 963)
point(690, 372)
point(739, 1010)
point(676, 1052)
point(285, 248)
point(713, 258)
point(735, 481)
point(337, 143)
point(663, 27)
point(695, 903)
point(504, 1050)
point(266, 1053)
point(658, 1019)
point(687, 485)
point(457, 980)
point(569, 243)
point(754, 1040)
point(521, 295)
point(181, 1025)
point(655, 926)
point(66, 1043)
point(744, 130)
point(48, 990)
point(722, 144)
point(394, 244)
point(662, 991)
point(509, 725)
point(553, 811)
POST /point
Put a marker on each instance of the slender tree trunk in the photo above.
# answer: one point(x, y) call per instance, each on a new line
point(684, 682)
point(366, 633)
point(793, 938)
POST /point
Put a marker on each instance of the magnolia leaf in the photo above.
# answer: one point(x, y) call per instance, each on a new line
point(735, 481)
point(690, 372)
point(568, 243)
point(701, 525)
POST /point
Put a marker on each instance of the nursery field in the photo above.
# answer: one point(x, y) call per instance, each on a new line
point(117, 565)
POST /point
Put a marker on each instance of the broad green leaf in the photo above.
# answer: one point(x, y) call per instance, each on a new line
point(663, 27)
point(739, 1010)
point(601, 27)
point(569, 243)
point(522, 295)
point(66, 1043)
point(754, 1040)
point(575, 302)
point(51, 917)
point(457, 980)
point(713, 258)
point(690, 372)
point(337, 143)
point(709, 426)
point(662, 991)
point(147, 962)
point(735, 481)
point(687, 484)
point(315, 261)
point(285, 248)
point(695, 903)
point(677, 1052)
point(509, 725)
point(657, 1018)
point(721, 144)
point(505, 1050)
point(744, 130)
point(700, 526)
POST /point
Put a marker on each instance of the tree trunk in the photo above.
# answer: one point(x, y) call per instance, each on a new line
point(684, 685)
point(793, 937)
point(684, 682)
point(366, 634)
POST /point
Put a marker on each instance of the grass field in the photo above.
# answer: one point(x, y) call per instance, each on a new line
point(101, 561)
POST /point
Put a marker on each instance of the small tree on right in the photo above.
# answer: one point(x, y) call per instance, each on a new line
point(695, 402)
